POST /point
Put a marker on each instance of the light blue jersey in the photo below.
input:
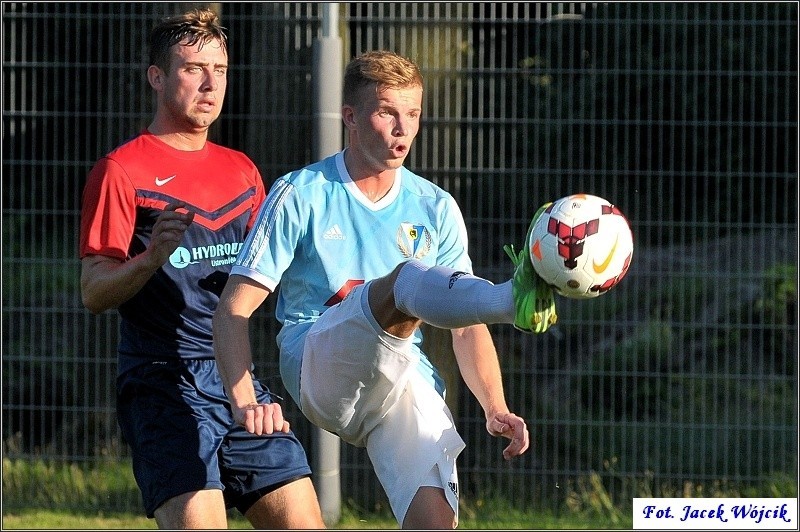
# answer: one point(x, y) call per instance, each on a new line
point(319, 236)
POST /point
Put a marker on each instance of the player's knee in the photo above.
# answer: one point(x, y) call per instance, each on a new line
point(384, 308)
point(430, 510)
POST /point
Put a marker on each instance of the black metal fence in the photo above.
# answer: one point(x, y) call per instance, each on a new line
point(681, 379)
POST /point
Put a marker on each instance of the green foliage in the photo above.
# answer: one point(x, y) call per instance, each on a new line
point(699, 386)
point(613, 102)
point(57, 485)
point(778, 304)
point(588, 496)
point(777, 309)
point(40, 258)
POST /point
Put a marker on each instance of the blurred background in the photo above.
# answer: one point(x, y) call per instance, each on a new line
point(681, 381)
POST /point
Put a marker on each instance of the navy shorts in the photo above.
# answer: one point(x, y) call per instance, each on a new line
point(176, 418)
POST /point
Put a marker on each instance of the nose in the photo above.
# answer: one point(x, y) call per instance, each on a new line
point(401, 126)
point(210, 82)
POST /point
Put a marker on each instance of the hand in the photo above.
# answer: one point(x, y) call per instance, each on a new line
point(513, 427)
point(168, 231)
point(261, 418)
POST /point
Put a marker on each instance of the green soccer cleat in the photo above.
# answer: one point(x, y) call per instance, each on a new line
point(533, 298)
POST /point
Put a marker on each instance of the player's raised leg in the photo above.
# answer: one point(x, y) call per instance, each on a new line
point(450, 299)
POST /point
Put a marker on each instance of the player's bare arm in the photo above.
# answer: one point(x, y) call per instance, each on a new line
point(234, 356)
point(107, 282)
point(477, 360)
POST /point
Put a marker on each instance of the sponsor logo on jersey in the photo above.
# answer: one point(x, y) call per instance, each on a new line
point(334, 233)
point(413, 240)
point(218, 254)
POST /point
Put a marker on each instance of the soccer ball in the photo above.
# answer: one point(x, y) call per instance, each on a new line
point(581, 245)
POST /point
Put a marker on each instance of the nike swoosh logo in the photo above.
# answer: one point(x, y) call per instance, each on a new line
point(160, 182)
point(600, 268)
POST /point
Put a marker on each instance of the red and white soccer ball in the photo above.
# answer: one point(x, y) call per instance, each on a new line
point(582, 246)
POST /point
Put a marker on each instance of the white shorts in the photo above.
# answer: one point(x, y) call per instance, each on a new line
point(361, 383)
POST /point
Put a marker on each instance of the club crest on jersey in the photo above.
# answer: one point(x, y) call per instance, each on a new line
point(413, 240)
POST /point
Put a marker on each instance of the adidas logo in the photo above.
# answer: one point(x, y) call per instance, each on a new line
point(334, 233)
point(453, 487)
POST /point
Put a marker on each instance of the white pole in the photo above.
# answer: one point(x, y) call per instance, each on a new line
point(326, 106)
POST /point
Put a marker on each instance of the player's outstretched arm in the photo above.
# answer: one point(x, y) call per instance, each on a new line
point(480, 368)
point(239, 299)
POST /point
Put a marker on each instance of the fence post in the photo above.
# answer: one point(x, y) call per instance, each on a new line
point(326, 105)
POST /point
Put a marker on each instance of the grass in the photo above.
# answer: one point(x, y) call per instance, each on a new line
point(45, 495)
point(38, 519)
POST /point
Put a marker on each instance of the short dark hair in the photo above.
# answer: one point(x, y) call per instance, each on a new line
point(196, 26)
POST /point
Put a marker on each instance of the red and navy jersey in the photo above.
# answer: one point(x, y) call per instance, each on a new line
point(170, 317)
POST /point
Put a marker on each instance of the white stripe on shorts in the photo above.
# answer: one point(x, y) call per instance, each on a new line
point(416, 436)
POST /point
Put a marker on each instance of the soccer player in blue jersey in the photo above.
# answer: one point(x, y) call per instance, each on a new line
point(366, 251)
point(163, 217)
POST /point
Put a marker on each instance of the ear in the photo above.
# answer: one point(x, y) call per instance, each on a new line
point(349, 116)
point(156, 77)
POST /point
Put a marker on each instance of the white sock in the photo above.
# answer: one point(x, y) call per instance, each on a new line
point(449, 299)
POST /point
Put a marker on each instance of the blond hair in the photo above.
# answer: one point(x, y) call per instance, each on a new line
point(386, 69)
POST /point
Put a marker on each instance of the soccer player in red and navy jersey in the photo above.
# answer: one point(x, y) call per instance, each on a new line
point(163, 218)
